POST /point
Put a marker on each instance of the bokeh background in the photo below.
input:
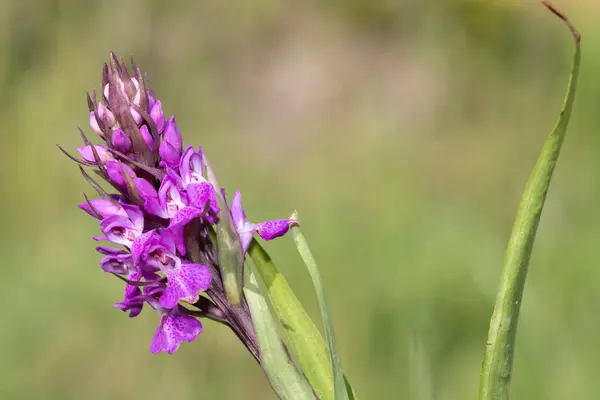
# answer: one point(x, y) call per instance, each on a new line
point(403, 131)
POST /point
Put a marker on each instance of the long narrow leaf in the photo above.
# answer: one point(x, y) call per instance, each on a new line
point(304, 339)
point(499, 352)
point(285, 379)
point(339, 386)
point(350, 389)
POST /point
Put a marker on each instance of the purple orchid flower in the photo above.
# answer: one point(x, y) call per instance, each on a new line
point(133, 299)
point(135, 214)
point(203, 196)
point(120, 230)
point(184, 282)
point(200, 192)
point(171, 198)
point(115, 173)
point(157, 288)
point(131, 292)
point(155, 249)
point(123, 230)
point(175, 327)
point(174, 203)
point(116, 261)
point(133, 304)
point(267, 230)
point(139, 247)
point(150, 196)
point(178, 223)
point(190, 166)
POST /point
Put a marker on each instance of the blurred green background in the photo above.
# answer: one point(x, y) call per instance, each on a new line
point(403, 131)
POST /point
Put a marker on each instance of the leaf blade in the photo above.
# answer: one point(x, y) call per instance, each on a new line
point(496, 368)
point(305, 340)
point(340, 391)
point(283, 376)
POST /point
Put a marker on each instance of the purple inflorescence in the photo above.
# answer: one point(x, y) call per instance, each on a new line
point(160, 219)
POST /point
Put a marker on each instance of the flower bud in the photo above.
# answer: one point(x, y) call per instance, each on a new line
point(136, 115)
point(107, 119)
point(156, 113)
point(88, 154)
point(134, 88)
point(121, 141)
point(171, 145)
point(113, 169)
point(94, 124)
point(147, 136)
point(102, 208)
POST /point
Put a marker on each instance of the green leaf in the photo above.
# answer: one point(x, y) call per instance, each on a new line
point(499, 352)
point(350, 390)
point(304, 339)
point(339, 386)
point(285, 379)
point(229, 248)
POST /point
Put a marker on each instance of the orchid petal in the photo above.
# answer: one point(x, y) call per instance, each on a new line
point(270, 230)
point(148, 193)
point(173, 330)
point(115, 174)
point(178, 223)
point(190, 166)
point(139, 246)
point(105, 208)
point(200, 194)
point(184, 282)
point(119, 230)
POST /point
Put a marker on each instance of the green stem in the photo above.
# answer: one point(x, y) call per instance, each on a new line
point(499, 352)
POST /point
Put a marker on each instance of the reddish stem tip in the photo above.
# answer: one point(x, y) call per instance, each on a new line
point(559, 14)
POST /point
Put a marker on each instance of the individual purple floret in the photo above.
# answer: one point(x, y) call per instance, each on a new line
point(186, 280)
point(116, 261)
point(160, 222)
point(268, 230)
point(175, 327)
